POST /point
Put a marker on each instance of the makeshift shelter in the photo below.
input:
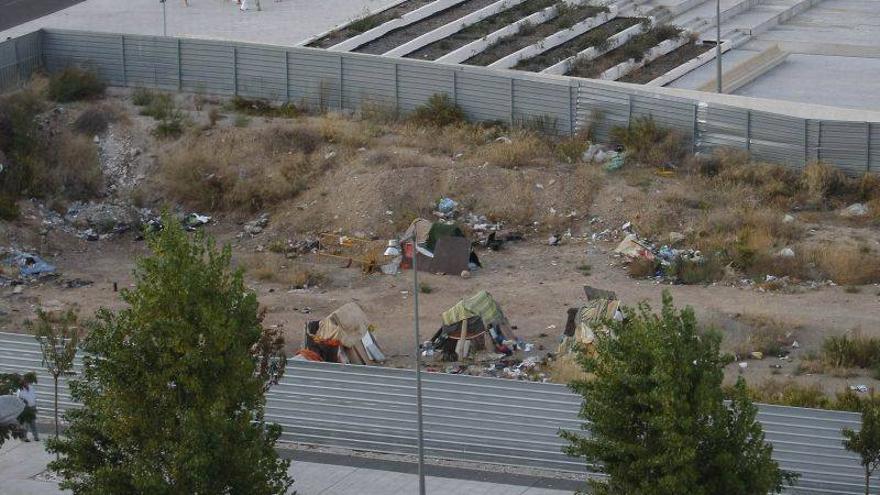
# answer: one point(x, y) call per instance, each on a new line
point(473, 324)
point(344, 336)
point(440, 247)
point(583, 322)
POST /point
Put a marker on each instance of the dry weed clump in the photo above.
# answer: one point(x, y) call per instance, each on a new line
point(275, 268)
point(647, 143)
point(236, 169)
point(521, 149)
point(97, 117)
point(565, 369)
point(73, 170)
point(846, 264)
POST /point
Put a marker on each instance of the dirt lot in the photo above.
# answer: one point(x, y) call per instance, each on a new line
point(332, 173)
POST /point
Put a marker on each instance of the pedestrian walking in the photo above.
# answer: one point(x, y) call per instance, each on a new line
point(28, 394)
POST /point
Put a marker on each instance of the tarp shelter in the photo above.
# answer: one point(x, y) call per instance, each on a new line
point(445, 249)
point(419, 229)
point(344, 336)
point(585, 321)
point(473, 324)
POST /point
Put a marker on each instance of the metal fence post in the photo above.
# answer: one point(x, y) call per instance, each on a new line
point(572, 111)
point(287, 76)
point(748, 130)
point(235, 71)
point(18, 64)
point(867, 147)
point(695, 131)
point(454, 86)
point(122, 59)
point(629, 109)
point(512, 105)
point(819, 144)
point(396, 88)
point(179, 68)
point(341, 83)
point(806, 141)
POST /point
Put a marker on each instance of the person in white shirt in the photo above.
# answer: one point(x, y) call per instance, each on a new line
point(28, 394)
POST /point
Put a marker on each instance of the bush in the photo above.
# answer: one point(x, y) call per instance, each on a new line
point(77, 169)
point(822, 181)
point(95, 119)
point(649, 144)
point(142, 97)
point(263, 108)
point(158, 106)
point(73, 84)
point(439, 111)
point(848, 351)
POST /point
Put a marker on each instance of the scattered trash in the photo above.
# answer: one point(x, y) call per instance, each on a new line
point(795, 345)
point(787, 218)
point(446, 205)
point(465, 274)
point(862, 389)
point(675, 238)
point(504, 139)
point(554, 240)
point(786, 252)
point(257, 225)
point(195, 220)
point(756, 355)
point(633, 248)
point(28, 265)
point(855, 210)
point(743, 365)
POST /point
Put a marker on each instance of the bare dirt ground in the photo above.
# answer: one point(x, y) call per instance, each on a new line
point(535, 284)
point(374, 180)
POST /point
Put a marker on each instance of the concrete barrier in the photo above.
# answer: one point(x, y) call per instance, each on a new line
point(748, 70)
point(697, 62)
point(397, 23)
point(554, 40)
point(473, 48)
point(662, 48)
point(563, 67)
point(312, 39)
point(452, 28)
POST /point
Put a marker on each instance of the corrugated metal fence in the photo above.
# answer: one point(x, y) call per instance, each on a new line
point(481, 419)
point(334, 80)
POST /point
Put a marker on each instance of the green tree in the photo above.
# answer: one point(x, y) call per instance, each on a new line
point(655, 415)
point(58, 336)
point(9, 384)
point(172, 390)
point(866, 442)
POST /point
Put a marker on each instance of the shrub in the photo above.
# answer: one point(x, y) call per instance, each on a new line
point(76, 169)
point(439, 111)
point(709, 269)
point(822, 181)
point(649, 144)
point(142, 97)
point(283, 139)
point(241, 121)
point(72, 84)
point(263, 108)
point(846, 264)
point(159, 106)
point(171, 125)
point(848, 351)
point(95, 119)
point(524, 149)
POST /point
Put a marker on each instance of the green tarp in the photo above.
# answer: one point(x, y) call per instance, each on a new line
point(481, 305)
point(439, 230)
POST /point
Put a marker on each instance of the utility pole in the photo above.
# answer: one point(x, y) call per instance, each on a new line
point(164, 19)
point(421, 439)
point(718, 42)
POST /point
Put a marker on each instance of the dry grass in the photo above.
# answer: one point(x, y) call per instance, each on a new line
point(275, 268)
point(238, 169)
point(73, 169)
point(525, 149)
point(97, 117)
point(763, 334)
point(846, 264)
point(565, 369)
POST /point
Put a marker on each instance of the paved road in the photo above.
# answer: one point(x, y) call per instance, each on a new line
point(15, 12)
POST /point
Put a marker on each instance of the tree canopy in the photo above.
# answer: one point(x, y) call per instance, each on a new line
point(172, 393)
point(655, 417)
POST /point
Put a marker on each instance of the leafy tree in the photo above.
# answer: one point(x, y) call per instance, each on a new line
point(866, 442)
point(9, 384)
point(58, 336)
point(656, 418)
point(172, 391)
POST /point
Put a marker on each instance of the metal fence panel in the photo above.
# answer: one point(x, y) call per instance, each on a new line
point(845, 144)
point(473, 418)
point(102, 53)
point(329, 80)
point(151, 62)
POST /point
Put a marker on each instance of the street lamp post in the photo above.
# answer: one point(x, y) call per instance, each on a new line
point(718, 42)
point(164, 19)
point(418, 363)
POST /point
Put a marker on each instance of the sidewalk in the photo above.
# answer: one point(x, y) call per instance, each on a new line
point(283, 22)
point(21, 462)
